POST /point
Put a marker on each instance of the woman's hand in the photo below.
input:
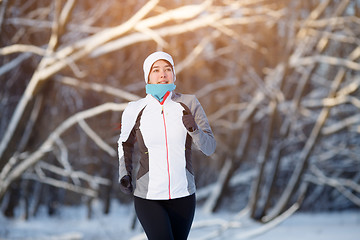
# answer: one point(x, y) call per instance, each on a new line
point(189, 121)
point(126, 185)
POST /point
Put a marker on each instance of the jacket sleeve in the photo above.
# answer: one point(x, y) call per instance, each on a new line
point(203, 137)
point(126, 142)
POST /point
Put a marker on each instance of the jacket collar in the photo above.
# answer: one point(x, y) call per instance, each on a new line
point(167, 97)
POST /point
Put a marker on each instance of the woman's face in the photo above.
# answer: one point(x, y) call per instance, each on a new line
point(161, 73)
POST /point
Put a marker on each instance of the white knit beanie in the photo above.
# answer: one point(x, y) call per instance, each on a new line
point(152, 58)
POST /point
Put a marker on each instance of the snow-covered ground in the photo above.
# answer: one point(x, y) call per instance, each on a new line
point(72, 224)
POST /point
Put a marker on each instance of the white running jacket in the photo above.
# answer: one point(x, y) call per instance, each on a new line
point(165, 168)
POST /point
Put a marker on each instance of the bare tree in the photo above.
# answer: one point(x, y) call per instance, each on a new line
point(278, 79)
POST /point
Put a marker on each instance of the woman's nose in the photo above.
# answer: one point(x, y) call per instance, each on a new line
point(162, 74)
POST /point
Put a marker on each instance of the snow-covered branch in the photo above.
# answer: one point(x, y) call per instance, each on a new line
point(48, 144)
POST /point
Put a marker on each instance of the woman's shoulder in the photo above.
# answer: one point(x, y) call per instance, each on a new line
point(138, 102)
point(135, 106)
point(180, 97)
point(189, 100)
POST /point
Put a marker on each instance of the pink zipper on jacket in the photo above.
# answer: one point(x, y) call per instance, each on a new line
point(166, 139)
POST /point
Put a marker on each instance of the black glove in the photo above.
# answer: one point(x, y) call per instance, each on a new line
point(126, 185)
point(189, 121)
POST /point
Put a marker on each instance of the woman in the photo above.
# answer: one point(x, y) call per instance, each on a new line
point(164, 124)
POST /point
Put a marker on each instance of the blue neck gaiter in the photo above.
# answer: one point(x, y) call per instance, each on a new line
point(158, 91)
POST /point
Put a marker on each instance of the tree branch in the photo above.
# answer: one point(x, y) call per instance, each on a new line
point(97, 139)
point(101, 88)
point(48, 144)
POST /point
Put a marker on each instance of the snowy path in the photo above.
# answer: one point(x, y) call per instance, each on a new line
point(72, 224)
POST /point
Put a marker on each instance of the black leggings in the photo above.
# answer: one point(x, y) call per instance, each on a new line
point(166, 219)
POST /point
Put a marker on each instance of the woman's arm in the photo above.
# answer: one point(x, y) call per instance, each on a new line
point(203, 136)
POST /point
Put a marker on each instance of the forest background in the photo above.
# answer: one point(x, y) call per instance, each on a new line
point(278, 79)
